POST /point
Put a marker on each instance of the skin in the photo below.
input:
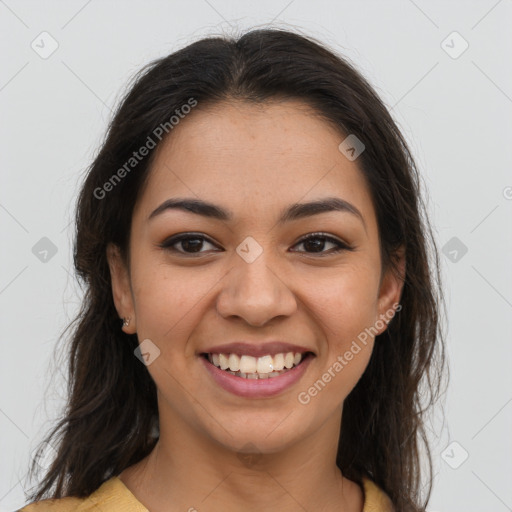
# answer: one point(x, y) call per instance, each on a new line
point(253, 160)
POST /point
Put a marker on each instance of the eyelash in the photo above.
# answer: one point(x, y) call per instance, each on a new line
point(170, 242)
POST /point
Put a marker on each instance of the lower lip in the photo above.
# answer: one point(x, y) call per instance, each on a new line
point(257, 388)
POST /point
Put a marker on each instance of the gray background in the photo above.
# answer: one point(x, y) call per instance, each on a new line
point(454, 108)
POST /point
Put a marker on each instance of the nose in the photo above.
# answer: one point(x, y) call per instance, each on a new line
point(255, 292)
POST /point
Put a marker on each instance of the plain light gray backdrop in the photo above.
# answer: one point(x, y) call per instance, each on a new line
point(442, 67)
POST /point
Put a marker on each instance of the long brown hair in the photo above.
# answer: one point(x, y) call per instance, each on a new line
point(111, 413)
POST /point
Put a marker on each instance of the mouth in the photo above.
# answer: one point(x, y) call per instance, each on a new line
point(257, 368)
point(256, 377)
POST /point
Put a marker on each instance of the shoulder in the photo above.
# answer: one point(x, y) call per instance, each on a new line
point(53, 505)
point(112, 495)
point(375, 499)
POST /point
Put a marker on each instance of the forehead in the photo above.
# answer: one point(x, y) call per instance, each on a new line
point(252, 156)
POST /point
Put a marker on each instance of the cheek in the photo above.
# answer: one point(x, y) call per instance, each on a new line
point(169, 302)
point(345, 307)
point(344, 303)
point(162, 298)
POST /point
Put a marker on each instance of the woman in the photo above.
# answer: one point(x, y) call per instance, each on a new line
point(254, 219)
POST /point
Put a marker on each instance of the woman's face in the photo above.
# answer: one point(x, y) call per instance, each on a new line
point(248, 275)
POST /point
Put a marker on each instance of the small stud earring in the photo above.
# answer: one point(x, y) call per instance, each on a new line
point(126, 321)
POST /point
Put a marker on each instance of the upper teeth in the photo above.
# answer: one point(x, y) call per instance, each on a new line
point(249, 364)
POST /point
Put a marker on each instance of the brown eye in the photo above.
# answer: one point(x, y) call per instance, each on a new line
point(316, 243)
point(190, 243)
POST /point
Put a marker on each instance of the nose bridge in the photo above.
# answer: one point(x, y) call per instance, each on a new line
point(253, 289)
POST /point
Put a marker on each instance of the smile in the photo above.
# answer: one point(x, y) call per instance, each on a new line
point(257, 377)
point(249, 367)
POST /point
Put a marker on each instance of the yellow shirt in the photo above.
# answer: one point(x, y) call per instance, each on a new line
point(113, 495)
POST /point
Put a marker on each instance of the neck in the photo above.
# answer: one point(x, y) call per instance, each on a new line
point(187, 471)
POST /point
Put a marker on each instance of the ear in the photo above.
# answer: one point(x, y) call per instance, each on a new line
point(391, 290)
point(121, 289)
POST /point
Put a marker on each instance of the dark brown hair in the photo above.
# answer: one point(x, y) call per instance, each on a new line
point(111, 414)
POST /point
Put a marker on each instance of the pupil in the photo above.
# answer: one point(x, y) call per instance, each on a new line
point(316, 244)
point(189, 244)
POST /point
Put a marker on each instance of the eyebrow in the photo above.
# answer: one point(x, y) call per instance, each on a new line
point(292, 212)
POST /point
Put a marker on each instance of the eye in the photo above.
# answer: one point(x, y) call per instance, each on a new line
point(316, 243)
point(191, 243)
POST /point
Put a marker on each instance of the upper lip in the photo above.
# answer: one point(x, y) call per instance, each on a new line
point(256, 349)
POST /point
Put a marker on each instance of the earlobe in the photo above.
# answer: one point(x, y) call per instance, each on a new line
point(121, 289)
point(391, 289)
